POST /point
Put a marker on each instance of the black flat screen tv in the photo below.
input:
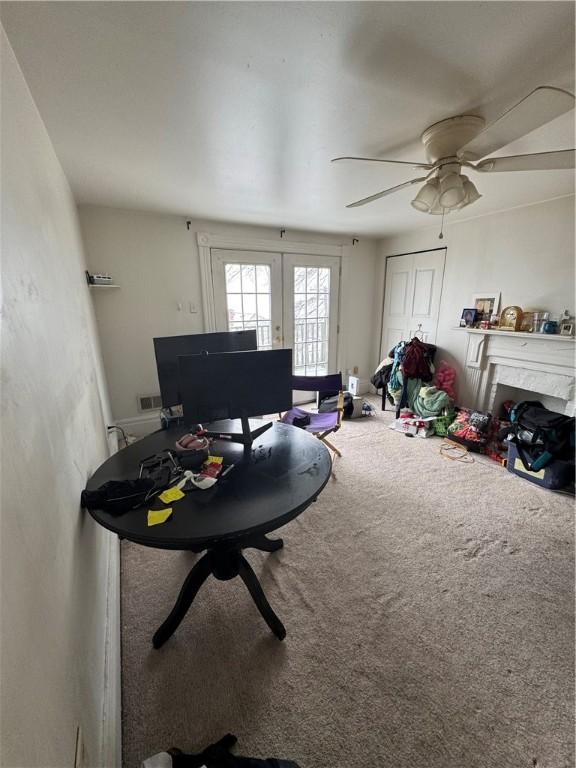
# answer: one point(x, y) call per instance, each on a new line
point(169, 348)
point(235, 385)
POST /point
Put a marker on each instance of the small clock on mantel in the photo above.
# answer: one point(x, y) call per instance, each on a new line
point(510, 318)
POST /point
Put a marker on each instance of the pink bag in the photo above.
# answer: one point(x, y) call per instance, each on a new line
point(445, 379)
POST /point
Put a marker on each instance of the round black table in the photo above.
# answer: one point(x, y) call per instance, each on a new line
point(269, 485)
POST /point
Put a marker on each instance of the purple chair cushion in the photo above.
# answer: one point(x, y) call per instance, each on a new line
point(319, 422)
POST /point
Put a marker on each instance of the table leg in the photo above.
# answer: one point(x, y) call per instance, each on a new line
point(254, 587)
point(264, 544)
point(223, 564)
point(197, 576)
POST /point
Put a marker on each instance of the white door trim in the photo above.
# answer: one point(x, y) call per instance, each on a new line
point(111, 740)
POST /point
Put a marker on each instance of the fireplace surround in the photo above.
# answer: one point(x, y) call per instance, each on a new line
point(537, 363)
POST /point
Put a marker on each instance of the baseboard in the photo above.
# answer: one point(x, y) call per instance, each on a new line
point(140, 425)
point(111, 747)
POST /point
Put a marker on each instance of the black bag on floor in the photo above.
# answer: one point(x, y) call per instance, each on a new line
point(540, 435)
point(217, 755)
point(380, 378)
point(555, 476)
point(330, 404)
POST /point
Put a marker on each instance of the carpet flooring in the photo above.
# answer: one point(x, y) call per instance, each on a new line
point(430, 614)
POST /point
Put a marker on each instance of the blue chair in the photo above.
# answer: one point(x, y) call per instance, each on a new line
point(321, 424)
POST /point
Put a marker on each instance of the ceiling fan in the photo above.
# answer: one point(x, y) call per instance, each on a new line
point(464, 142)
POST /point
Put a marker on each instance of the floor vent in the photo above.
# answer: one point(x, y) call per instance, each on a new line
point(149, 402)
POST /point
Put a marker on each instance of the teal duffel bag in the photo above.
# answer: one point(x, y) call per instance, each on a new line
point(556, 475)
point(540, 436)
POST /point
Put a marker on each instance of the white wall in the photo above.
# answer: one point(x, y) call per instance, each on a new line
point(526, 253)
point(154, 258)
point(55, 561)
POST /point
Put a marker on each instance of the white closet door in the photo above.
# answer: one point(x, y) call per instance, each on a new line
point(248, 294)
point(412, 294)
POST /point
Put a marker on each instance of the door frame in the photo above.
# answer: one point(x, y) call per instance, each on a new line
point(207, 241)
point(383, 289)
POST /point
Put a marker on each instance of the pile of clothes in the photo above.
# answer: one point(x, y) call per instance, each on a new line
point(406, 379)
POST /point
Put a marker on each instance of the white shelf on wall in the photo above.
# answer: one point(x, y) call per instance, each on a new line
point(520, 334)
point(89, 278)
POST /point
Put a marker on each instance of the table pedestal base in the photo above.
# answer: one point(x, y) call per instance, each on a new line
point(224, 562)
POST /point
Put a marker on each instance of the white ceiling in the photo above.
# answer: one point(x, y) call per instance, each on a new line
point(233, 110)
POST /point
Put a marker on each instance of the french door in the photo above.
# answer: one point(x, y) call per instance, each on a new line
point(311, 289)
point(290, 299)
point(248, 294)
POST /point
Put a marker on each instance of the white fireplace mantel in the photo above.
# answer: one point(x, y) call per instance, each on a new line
point(538, 363)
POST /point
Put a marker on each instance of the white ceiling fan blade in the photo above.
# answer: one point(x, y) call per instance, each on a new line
point(539, 161)
point(390, 191)
point(381, 160)
point(538, 108)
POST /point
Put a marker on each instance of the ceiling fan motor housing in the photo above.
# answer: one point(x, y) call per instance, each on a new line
point(443, 140)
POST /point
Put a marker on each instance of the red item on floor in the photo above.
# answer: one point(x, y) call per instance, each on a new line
point(496, 449)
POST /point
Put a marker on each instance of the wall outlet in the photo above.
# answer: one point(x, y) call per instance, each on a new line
point(79, 761)
point(355, 370)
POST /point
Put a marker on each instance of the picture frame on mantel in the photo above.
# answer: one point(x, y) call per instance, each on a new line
point(469, 317)
point(486, 304)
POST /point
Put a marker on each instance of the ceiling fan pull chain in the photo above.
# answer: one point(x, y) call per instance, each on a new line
point(441, 235)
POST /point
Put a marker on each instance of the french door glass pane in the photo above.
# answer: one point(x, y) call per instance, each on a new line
point(248, 296)
point(311, 320)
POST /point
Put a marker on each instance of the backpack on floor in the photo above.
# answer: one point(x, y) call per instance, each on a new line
point(330, 405)
point(540, 435)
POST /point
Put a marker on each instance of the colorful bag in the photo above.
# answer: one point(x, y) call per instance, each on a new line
point(470, 428)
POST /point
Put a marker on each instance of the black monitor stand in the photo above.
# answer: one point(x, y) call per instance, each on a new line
point(246, 437)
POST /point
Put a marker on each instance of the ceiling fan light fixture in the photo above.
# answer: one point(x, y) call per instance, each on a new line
point(451, 191)
point(471, 194)
point(427, 197)
point(470, 191)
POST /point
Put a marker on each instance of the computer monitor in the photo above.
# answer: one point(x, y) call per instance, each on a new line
point(236, 385)
point(169, 348)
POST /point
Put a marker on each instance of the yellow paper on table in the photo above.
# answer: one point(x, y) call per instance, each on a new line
point(171, 494)
point(157, 516)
